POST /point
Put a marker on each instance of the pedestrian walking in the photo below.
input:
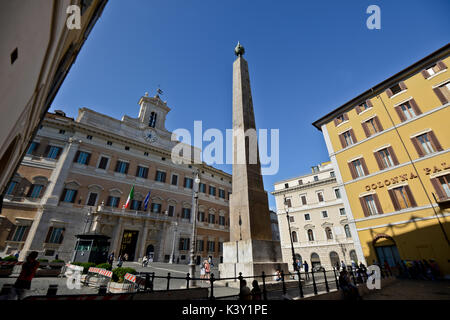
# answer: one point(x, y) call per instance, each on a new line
point(207, 269)
point(111, 258)
point(349, 290)
point(202, 271)
point(210, 261)
point(278, 275)
point(17, 254)
point(256, 291)
point(144, 261)
point(23, 282)
point(125, 257)
point(120, 261)
point(343, 265)
point(245, 293)
point(306, 268)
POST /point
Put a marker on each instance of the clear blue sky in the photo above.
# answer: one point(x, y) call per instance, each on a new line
point(305, 59)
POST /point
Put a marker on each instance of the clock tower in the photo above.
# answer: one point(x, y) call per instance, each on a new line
point(152, 113)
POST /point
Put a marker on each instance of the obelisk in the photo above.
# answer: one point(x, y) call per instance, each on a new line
point(251, 249)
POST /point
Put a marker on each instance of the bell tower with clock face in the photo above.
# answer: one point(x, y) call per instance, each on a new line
point(152, 114)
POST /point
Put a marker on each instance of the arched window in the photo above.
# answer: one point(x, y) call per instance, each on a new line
point(298, 257)
point(334, 259)
point(310, 235)
point(353, 256)
point(329, 233)
point(347, 231)
point(152, 120)
point(315, 260)
point(294, 236)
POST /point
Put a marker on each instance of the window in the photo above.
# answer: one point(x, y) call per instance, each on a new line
point(434, 69)
point(35, 191)
point(347, 138)
point(136, 205)
point(142, 172)
point(145, 153)
point(92, 199)
point(201, 216)
point(171, 210)
point(363, 106)
point(220, 245)
point(402, 198)
point(20, 233)
point(160, 176)
point(69, 195)
point(332, 175)
point(294, 236)
point(426, 143)
point(286, 185)
point(211, 246)
point(316, 178)
point(202, 187)
point(55, 235)
point(212, 190)
point(61, 131)
point(300, 182)
point(188, 183)
point(109, 143)
point(372, 126)
point(211, 218)
point(127, 148)
point(222, 193)
point(303, 197)
point(103, 163)
point(221, 220)
point(340, 119)
point(310, 235)
point(320, 196)
point(184, 244)
point(174, 181)
point(408, 110)
point(399, 87)
point(386, 158)
point(33, 147)
point(200, 245)
point(307, 216)
point(342, 211)
point(82, 157)
point(291, 219)
point(11, 188)
point(152, 120)
point(337, 192)
point(113, 202)
point(443, 92)
point(155, 207)
point(186, 213)
point(442, 186)
point(358, 168)
point(324, 214)
point(287, 202)
point(329, 233)
point(89, 137)
point(122, 167)
point(53, 152)
point(371, 205)
point(347, 231)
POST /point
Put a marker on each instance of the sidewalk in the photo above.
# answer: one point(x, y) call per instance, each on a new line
point(412, 290)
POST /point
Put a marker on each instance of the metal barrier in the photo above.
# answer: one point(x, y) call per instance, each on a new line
point(104, 276)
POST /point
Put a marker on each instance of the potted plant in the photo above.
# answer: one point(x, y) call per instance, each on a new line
point(117, 284)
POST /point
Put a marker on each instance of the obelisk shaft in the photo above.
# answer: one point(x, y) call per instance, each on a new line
point(248, 203)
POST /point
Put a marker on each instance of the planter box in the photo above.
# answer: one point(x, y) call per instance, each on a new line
point(115, 287)
point(5, 272)
point(48, 272)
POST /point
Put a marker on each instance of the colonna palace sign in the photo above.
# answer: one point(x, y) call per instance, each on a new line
point(406, 176)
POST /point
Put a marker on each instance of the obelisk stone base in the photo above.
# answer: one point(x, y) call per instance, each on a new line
point(251, 258)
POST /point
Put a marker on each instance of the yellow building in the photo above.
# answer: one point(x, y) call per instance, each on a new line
point(391, 145)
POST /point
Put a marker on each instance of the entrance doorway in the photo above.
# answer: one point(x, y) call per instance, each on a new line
point(128, 246)
point(150, 252)
point(315, 260)
point(386, 250)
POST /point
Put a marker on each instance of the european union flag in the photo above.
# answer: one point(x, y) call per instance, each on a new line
point(146, 200)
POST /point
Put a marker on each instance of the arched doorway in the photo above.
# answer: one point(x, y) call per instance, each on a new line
point(315, 260)
point(386, 250)
point(150, 252)
point(334, 259)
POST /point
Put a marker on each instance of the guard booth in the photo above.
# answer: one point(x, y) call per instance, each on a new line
point(91, 247)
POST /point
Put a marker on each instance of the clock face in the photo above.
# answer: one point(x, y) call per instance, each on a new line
point(150, 136)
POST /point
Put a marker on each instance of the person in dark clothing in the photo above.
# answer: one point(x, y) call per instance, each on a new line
point(23, 282)
point(256, 291)
point(111, 258)
point(349, 290)
point(306, 268)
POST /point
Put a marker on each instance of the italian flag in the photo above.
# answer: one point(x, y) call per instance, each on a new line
point(130, 197)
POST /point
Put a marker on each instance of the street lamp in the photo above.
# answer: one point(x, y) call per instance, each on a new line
point(286, 208)
point(194, 213)
point(172, 255)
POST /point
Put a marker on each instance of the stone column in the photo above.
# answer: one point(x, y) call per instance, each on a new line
point(144, 234)
point(161, 241)
point(115, 241)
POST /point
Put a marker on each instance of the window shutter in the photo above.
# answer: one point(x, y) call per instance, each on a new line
point(441, 65)
point(61, 237)
point(366, 130)
point(49, 233)
point(377, 203)
point(425, 74)
point(394, 200)
point(137, 171)
point(117, 166)
point(352, 171)
point(379, 160)
point(88, 158)
point(353, 136)
point(343, 143)
point(336, 121)
point(400, 113)
point(377, 121)
point(389, 92)
point(30, 190)
point(184, 183)
point(47, 150)
point(369, 103)
point(410, 196)
point(416, 145)
point(58, 153)
point(12, 231)
point(145, 173)
point(363, 163)
point(439, 191)
point(41, 193)
point(127, 165)
point(393, 156)
point(434, 141)
point(74, 196)
point(358, 109)
point(415, 106)
point(63, 195)
point(364, 206)
point(76, 156)
point(440, 95)
point(345, 116)
point(25, 234)
point(402, 85)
